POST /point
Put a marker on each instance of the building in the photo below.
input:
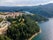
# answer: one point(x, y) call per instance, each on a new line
point(10, 14)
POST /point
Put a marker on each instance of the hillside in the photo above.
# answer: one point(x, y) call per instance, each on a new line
point(22, 27)
point(44, 10)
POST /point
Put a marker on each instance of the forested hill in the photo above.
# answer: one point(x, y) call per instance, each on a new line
point(22, 27)
point(44, 10)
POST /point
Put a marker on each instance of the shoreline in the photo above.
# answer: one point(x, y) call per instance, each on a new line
point(34, 35)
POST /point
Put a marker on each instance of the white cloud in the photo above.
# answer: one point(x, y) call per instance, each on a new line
point(23, 2)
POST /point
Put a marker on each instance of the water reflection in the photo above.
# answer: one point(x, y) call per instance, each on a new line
point(47, 30)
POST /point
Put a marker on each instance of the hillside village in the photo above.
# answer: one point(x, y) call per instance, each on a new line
point(4, 24)
point(10, 14)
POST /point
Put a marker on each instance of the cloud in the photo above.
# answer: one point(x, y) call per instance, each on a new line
point(23, 2)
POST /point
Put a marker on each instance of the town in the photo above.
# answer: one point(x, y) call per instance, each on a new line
point(4, 24)
point(9, 14)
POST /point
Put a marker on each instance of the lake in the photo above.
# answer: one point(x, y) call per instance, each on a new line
point(47, 30)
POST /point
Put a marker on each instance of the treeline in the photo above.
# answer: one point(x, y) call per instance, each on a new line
point(43, 10)
point(36, 17)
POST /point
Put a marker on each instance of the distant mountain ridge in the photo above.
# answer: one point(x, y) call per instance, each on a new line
point(44, 10)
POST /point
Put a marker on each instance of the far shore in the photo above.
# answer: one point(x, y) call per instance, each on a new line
point(34, 35)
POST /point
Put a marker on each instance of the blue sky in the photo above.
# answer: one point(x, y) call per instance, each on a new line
point(23, 2)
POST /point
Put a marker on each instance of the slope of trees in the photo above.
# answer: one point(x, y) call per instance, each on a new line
point(22, 27)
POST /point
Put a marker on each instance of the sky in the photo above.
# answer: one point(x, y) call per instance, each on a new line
point(24, 2)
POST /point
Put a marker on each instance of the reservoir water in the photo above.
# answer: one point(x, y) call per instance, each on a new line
point(47, 30)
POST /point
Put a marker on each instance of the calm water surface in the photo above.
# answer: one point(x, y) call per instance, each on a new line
point(47, 31)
